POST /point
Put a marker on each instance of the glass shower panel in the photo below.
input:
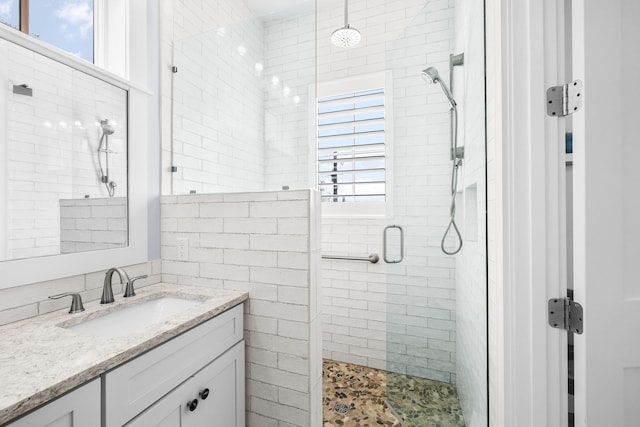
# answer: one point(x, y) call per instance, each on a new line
point(436, 303)
point(242, 94)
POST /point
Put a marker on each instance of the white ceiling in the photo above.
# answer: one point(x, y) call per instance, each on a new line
point(267, 7)
point(279, 7)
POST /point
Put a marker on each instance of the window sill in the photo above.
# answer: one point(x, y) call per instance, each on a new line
point(52, 52)
point(374, 210)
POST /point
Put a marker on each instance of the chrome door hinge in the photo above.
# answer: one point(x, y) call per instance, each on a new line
point(564, 100)
point(565, 314)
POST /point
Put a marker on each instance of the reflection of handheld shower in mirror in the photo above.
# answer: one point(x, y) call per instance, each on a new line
point(103, 148)
point(107, 128)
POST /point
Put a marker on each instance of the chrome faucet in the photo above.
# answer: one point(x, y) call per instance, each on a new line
point(107, 290)
point(76, 302)
point(129, 291)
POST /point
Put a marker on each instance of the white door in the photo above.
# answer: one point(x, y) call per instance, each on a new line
point(606, 57)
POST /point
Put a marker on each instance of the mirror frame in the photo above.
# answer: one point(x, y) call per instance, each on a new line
point(41, 269)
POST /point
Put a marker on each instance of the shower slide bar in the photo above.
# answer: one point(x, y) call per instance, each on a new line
point(372, 258)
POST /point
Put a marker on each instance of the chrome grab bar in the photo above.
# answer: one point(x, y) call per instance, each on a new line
point(372, 258)
point(384, 244)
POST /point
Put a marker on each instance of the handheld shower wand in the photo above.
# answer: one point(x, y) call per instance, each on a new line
point(431, 75)
point(107, 129)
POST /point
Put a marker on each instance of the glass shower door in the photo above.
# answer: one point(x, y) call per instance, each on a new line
point(436, 303)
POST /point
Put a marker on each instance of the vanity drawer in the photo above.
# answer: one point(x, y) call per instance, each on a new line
point(134, 386)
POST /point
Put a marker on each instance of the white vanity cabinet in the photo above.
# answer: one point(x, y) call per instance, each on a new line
point(158, 386)
point(80, 407)
point(129, 379)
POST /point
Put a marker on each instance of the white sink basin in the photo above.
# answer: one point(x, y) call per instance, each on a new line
point(134, 317)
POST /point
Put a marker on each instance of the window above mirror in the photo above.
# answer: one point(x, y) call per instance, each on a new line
point(66, 24)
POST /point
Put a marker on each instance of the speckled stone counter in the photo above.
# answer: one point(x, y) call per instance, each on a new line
point(41, 360)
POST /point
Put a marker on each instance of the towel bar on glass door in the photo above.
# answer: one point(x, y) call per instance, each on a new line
point(384, 244)
point(372, 258)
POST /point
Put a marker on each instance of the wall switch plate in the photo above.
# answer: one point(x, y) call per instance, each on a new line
point(182, 249)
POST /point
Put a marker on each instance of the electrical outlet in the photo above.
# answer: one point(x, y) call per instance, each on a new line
point(183, 248)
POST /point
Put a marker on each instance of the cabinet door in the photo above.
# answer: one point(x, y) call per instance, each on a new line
point(224, 380)
point(223, 407)
point(80, 407)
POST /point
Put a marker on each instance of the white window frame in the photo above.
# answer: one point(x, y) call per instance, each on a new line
point(111, 36)
point(359, 83)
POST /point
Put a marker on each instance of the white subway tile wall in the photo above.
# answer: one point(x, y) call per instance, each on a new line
point(265, 244)
point(51, 144)
point(31, 300)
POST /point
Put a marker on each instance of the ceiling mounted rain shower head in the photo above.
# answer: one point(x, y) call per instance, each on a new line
point(346, 36)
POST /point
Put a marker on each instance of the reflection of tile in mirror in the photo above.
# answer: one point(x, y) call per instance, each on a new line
point(92, 224)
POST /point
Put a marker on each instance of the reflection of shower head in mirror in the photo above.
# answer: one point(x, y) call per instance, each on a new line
point(106, 127)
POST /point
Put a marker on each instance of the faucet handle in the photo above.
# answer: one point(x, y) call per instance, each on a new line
point(76, 301)
point(130, 292)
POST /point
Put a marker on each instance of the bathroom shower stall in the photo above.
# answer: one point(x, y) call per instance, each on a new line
point(262, 100)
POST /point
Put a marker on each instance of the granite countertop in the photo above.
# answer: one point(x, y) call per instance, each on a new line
point(41, 360)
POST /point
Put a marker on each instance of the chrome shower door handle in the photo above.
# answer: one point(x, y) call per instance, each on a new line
point(384, 244)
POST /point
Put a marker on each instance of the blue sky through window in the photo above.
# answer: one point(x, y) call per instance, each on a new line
point(10, 12)
point(67, 24)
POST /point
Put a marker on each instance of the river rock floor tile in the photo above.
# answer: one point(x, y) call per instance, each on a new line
point(363, 391)
point(421, 402)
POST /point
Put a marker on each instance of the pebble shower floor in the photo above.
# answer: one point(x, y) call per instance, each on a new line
point(361, 393)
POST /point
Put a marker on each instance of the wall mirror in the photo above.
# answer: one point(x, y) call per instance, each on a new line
point(69, 202)
point(64, 186)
